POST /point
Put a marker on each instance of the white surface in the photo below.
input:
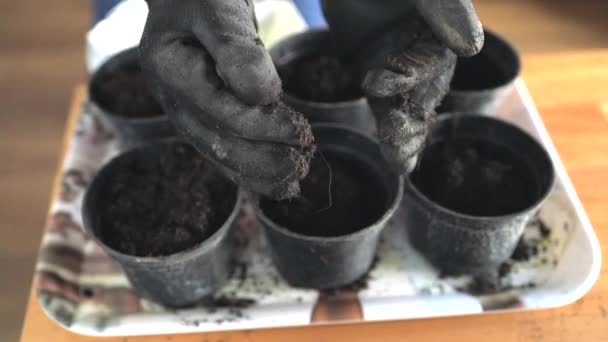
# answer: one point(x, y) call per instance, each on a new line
point(120, 30)
point(124, 25)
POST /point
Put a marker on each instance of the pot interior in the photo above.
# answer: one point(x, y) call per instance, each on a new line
point(320, 77)
point(311, 71)
point(159, 200)
point(341, 195)
point(349, 188)
point(482, 167)
point(496, 65)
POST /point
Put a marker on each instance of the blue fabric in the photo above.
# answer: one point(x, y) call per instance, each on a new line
point(310, 9)
point(312, 13)
point(102, 7)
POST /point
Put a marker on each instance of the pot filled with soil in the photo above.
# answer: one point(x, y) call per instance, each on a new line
point(327, 237)
point(481, 83)
point(478, 182)
point(317, 84)
point(165, 214)
point(118, 88)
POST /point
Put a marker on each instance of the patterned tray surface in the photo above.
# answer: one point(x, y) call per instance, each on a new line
point(81, 288)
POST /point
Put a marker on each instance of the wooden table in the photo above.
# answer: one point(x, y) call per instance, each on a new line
point(571, 91)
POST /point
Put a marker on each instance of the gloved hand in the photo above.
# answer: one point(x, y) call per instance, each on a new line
point(413, 45)
point(204, 62)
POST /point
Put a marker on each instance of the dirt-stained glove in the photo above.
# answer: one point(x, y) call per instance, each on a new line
point(206, 65)
point(413, 45)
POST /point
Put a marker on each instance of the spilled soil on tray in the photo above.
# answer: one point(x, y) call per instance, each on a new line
point(475, 178)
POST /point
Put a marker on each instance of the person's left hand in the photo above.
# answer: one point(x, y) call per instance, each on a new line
point(411, 65)
point(208, 68)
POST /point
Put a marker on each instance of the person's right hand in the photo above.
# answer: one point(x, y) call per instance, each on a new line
point(208, 68)
point(409, 50)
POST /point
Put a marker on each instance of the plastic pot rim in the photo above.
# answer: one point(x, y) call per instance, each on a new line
point(120, 57)
point(541, 197)
point(517, 59)
point(200, 248)
point(322, 33)
point(377, 224)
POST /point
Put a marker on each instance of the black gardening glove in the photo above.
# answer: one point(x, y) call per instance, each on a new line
point(208, 68)
point(408, 49)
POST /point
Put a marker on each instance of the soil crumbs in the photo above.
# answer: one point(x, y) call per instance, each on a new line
point(475, 178)
point(320, 79)
point(126, 94)
point(527, 250)
point(166, 206)
point(340, 196)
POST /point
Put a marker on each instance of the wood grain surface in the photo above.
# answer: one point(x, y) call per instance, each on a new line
point(571, 90)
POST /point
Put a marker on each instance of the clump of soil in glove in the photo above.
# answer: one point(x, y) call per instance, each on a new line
point(124, 92)
point(338, 197)
point(320, 79)
point(168, 205)
point(475, 178)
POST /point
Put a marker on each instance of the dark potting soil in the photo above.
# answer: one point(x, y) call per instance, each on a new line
point(167, 205)
point(492, 281)
point(124, 93)
point(478, 73)
point(227, 302)
point(340, 196)
point(475, 178)
point(320, 79)
point(525, 250)
point(528, 249)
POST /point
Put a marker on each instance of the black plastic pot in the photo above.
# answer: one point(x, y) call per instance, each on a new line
point(354, 113)
point(459, 242)
point(481, 82)
point(131, 131)
point(176, 280)
point(314, 261)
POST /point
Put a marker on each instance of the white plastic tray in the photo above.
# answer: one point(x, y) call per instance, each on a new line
point(86, 292)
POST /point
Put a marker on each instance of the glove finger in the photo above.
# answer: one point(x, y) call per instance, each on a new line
point(385, 83)
point(262, 161)
point(455, 23)
point(403, 131)
point(402, 135)
point(430, 97)
point(227, 30)
point(399, 126)
point(423, 101)
point(403, 157)
point(426, 97)
point(280, 183)
point(188, 71)
point(278, 190)
point(425, 60)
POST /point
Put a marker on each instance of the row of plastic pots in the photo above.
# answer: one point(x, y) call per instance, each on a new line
point(335, 249)
point(325, 256)
point(479, 86)
point(459, 225)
